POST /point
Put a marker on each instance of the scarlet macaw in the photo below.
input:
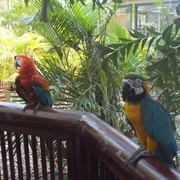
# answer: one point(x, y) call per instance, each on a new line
point(152, 124)
point(31, 86)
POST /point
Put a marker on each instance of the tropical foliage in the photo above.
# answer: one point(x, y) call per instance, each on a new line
point(77, 78)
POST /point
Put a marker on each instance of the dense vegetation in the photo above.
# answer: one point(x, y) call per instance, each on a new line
point(84, 54)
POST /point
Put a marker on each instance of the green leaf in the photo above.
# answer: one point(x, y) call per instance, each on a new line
point(167, 34)
point(104, 65)
point(177, 23)
point(178, 51)
point(117, 1)
point(83, 2)
point(162, 48)
point(152, 31)
point(175, 43)
point(136, 34)
point(72, 1)
point(26, 2)
point(104, 1)
point(125, 40)
point(103, 49)
point(136, 45)
point(159, 82)
point(44, 11)
point(114, 57)
point(128, 47)
point(123, 52)
point(151, 42)
point(164, 68)
point(157, 65)
point(143, 42)
point(115, 46)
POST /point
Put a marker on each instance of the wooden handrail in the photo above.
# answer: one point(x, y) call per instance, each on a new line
point(109, 145)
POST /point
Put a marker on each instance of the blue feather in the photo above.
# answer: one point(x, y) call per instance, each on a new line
point(43, 96)
point(159, 127)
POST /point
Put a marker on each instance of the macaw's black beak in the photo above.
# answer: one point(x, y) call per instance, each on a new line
point(127, 91)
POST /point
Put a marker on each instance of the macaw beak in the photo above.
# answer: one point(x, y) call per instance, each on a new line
point(16, 65)
point(127, 91)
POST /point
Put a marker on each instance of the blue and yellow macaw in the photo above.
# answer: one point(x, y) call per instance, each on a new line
point(152, 124)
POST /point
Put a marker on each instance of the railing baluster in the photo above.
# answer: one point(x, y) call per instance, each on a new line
point(35, 159)
point(101, 171)
point(27, 160)
point(4, 158)
point(43, 158)
point(105, 173)
point(71, 159)
point(51, 158)
point(80, 158)
point(92, 165)
point(19, 156)
point(11, 156)
point(59, 159)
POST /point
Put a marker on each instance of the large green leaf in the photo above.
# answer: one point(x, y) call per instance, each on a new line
point(118, 1)
point(166, 36)
point(143, 42)
point(151, 42)
point(104, 50)
point(26, 2)
point(136, 34)
point(177, 23)
point(114, 57)
point(152, 31)
point(136, 45)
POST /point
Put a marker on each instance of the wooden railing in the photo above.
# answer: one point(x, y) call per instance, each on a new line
point(60, 144)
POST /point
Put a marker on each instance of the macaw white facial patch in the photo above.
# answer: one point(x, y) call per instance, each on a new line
point(135, 84)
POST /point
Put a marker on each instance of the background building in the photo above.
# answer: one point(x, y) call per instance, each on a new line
point(139, 14)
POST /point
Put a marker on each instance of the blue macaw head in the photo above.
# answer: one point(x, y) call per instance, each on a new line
point(134, 87)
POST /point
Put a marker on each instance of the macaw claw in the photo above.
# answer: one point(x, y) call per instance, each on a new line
point(27, 106)
point(140, 153)
point(36, 108)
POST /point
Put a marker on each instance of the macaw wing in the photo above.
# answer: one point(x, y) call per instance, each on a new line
point(20, 90)
point(159, 125)
point(41, 89)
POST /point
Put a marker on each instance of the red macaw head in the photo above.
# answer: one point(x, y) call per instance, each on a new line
point(26, 65)
point(21, 59)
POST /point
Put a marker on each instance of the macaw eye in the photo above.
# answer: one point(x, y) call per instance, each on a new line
point(127, 81)
point(139, 81)
point(18, 58)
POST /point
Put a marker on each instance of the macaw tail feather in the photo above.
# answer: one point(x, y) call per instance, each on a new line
point(43, 96)
point(169, 159)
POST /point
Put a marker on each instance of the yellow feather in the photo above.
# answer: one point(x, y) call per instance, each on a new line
point(134, 115)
